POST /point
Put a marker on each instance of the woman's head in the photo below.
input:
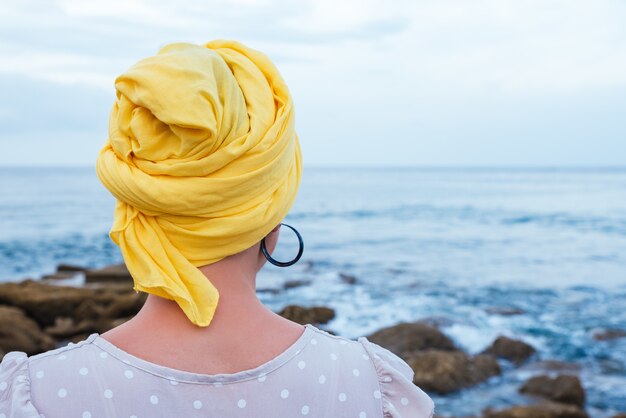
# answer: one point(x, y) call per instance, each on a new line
point(251, 260)
point(204, 161)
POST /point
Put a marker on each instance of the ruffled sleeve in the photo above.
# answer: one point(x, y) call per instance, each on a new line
point(401, 398)
point(15, 387)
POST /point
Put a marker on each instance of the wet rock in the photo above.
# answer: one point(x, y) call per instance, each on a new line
point(404, 338)
point(119, 288)
point(554, 365)
point(348, 278)
point(66, 327)
point(103, 325)
point(449, 371)
point(76, 339)
point(505, 310)
point(313, 315)
point(541, 410)
point(611, 366)
point(563, 388)
point(308, 266)
point(514, 350)
point(609, 334)
point(45, 302)
point(59, 276)
point(125, 305)
point(269, 290)
point(113, 273)
point(437, 321)
point(290, 284)
point(18, 332)
point(88, 309)
point(63, 268)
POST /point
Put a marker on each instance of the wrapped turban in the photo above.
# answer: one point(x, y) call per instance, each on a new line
point(204, 161)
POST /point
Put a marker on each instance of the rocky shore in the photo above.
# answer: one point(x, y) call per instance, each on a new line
point(38, 315)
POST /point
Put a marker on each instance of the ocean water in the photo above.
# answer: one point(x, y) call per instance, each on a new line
point(422, 243)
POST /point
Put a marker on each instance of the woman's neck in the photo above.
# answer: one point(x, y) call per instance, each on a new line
point(162, 333)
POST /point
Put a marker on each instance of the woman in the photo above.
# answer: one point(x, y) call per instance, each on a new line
point(205, 163)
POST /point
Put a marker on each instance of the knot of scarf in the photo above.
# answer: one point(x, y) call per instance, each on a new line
point(204, 161)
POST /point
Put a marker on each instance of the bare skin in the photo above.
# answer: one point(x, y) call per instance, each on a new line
point(242, 335)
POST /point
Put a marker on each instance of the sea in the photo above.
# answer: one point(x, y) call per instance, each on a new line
point(384, 245)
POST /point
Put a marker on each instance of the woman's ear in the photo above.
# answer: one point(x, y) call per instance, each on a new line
point(270, 244)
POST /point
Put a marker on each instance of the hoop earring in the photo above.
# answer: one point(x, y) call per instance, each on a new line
point(285, 263)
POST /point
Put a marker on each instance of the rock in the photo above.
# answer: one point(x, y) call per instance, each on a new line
point(113, 273)
point(308, 266)
point(505, 310)
point(20, 333)
point(405, 338)
point(445, 371)
point(45, 302)
point(60, 275)
point(619, 416)
point(78, 338)
point(125, 305)
point(313, 315)
point(437, 321)
point(115, 288)
point(102, 325)
point(269, 290)
point(541, 410)
point(610, 366)
point(510, 349)
point(66, 327)
point(290, 284)
point(563, 388)
point(63, 268)
point(88, 309)
point(554, 365)
point(348, 278)
point(609, 334)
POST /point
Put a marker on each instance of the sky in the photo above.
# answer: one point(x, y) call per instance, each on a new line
point(374, 83)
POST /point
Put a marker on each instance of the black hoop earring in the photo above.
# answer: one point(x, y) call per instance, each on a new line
point(285, 263)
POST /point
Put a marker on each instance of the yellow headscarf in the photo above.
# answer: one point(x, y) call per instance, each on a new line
point(204, 161)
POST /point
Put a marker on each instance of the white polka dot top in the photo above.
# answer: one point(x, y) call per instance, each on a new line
point(320, 375)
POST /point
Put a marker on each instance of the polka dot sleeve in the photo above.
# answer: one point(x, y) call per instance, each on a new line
point(400, 397)
point(15, 387)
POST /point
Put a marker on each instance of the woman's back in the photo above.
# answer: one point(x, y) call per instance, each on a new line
point(320, 375)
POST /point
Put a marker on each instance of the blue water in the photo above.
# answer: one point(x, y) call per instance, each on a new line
point(442, 243)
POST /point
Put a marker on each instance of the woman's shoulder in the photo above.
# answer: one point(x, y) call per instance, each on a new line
point(15, 386)
point(18, 373)
point(400, 396)
point(394, 386)
point(59, 358)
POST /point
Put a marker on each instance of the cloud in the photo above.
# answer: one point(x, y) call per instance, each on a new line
point(357, 70)
point(507, 47)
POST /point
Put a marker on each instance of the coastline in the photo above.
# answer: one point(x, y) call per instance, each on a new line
point(67, 306)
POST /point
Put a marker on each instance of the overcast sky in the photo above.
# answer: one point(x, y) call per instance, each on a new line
point(441, 82)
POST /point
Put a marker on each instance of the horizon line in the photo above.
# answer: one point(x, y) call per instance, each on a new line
point(388, 166)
